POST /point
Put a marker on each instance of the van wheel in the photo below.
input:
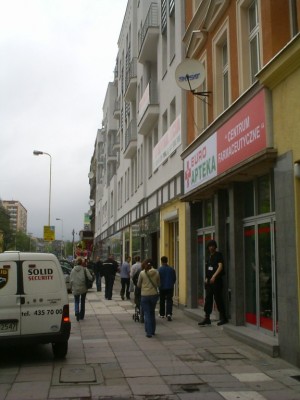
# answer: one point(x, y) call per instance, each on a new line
point(60, 349)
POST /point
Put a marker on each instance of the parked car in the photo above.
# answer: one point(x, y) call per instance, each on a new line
point(66, 267)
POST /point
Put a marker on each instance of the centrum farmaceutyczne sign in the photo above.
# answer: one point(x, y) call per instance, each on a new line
point(241, 137)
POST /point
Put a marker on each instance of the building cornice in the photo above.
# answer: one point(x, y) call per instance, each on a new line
point(282, 65)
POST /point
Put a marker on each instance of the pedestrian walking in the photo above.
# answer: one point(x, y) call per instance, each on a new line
point(110, 268)
point(78, 277)
point(125, 278)
point(137, 294)
point(149, 282)
point(98, 269)
point(136, 266)
point(214, 271)
point(166, 289)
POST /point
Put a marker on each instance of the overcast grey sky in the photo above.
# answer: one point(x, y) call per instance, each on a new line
point(56, 59)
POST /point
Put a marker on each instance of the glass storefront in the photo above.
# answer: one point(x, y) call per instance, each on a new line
point(260, 287)
point(259, 256)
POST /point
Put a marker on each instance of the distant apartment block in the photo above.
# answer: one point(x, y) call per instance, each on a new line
point(18, 215)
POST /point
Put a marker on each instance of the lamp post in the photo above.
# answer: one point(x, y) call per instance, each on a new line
point(38, 153)
point(62, 236)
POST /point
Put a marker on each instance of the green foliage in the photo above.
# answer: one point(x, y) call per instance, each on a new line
point(5, 228)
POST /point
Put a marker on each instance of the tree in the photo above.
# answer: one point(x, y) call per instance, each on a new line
point(5, 228)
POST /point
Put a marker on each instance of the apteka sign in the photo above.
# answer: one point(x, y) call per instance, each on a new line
point(239, 138)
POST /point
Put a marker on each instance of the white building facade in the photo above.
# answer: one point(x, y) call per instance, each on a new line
point(137, 160)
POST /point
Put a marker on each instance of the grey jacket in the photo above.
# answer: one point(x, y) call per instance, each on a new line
point(77, 279)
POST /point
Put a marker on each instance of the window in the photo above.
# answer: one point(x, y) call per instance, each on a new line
point(248, 42)
point(172, 34)
point(150, 155)
point(221, 70)
point(225, 76)
point(258, 196)
point(253, 40)
point(163, 16)
point(111, 204)
point(172, 111)
point(294, 19)
point(171, 7)
point(164, 122)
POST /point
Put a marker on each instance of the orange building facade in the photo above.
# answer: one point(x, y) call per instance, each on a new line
point(235, 173)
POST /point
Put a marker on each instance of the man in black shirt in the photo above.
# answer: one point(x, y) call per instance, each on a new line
point(98, 269)
point(110, 268)
point(214, 270)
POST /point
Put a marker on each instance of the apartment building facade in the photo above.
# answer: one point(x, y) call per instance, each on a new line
point(242, 150)
point(136, 168)
point(17, 213)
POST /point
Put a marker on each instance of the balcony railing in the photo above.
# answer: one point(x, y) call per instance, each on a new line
point(151, 21)
point(131, 72)
point(131, 133)
point(117, 108)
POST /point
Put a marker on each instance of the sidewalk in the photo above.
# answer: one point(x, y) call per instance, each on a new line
point(111, 358)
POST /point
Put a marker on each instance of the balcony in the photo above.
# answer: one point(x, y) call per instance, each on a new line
point(116, 144)
point(117, 109)
point(130, 140)
point(148, 36)
point(111, 154)
point(148, 109)
point(131, 80)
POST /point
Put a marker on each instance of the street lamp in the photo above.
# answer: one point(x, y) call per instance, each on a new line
point(62, 235)
point(38, 153)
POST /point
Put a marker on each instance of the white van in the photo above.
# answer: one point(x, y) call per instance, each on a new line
point(34, 306)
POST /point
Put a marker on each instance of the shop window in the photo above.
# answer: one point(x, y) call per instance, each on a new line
point(248, 199)
point(263, 195)
point(258, 196)
point(209, 219)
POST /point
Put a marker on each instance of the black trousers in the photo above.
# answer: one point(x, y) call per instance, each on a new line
point(214, 291)
point(109, 284)
point(166, 301)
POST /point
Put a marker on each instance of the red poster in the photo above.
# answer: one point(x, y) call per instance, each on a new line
point(243, 135)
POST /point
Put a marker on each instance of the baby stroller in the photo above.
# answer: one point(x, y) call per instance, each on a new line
point(137, 300)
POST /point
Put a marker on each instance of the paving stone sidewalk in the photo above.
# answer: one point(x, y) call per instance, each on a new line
point(110, 357)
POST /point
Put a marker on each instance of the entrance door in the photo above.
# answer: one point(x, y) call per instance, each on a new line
point(173, 235)
point(260, 277)
point(203, 237)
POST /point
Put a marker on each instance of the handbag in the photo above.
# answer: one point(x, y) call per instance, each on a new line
point(88, 282)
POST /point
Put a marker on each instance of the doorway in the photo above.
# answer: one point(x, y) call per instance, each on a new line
point(203, 238)
point(260, 274)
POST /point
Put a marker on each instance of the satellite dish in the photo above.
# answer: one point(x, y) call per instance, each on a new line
point(91, 175)
point(90, 212)
point(189, 74)
point(92, 202)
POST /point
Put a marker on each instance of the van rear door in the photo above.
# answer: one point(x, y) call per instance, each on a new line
point(44, 296)
point(10, 301)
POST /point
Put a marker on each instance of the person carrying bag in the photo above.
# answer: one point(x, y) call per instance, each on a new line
point(149, 282)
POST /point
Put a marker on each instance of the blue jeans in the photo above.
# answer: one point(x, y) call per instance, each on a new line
point(148, 304)
point(79, 300)
point(98, 281)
